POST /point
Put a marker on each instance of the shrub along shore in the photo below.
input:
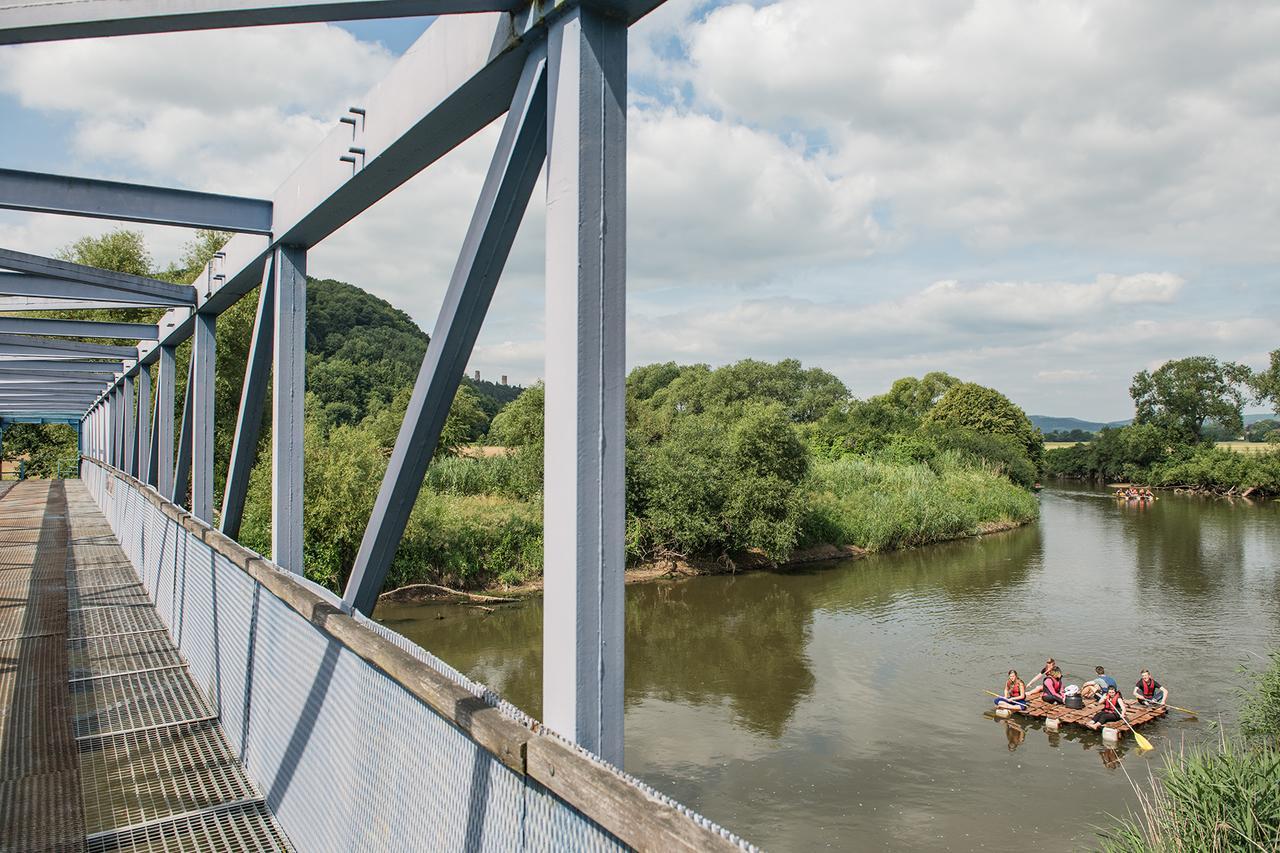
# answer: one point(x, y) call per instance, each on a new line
point(745, 466)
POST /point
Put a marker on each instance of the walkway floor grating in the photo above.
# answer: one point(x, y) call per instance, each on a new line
point(107, 743)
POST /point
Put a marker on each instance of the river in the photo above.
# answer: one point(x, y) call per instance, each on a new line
point(842, 707)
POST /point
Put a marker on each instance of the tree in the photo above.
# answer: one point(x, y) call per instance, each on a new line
point(985, 410)
point(1266, 383)
point(1182, 395)
point(121, 250)
point(520, 423)
point(916, 397)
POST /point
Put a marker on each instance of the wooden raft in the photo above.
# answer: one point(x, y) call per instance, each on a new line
point(1138, 714)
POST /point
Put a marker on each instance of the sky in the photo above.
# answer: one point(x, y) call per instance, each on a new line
point(1043, 197)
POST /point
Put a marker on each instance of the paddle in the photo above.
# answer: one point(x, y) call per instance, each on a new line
point(1174, 707)
point(1143, 743)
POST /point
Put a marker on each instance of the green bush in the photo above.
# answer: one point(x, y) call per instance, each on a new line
point(1260, 717)
point(1223, 799)
point(884, 504)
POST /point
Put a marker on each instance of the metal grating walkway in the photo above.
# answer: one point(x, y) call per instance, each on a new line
point(107, 743)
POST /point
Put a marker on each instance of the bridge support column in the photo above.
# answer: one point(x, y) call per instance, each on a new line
point(584, 509)
point(203, 354)
point(130, 415)
point(144, 423)
point(162, 464)
point(182, 465)
point(289, 361)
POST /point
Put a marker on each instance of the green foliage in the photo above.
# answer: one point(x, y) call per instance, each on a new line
point(1223, 799)
point(121, 250)
point(514, 475)
point(360, 350)
point(1266, 383)
point(1069, 435)
point(884, 504)
point(1183, 394)
point(917, 397)
point(980, 409)
point(716, 484)
point(1261, 430)
point(42, 445)
point(1260, 716)
point(520, 424)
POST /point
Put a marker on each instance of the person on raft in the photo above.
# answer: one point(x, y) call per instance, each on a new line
point(1051, 690)
point(1099, 685)
point(1014, 697)
point(1032, 689)
point(1148, 691)
point(1112, 709)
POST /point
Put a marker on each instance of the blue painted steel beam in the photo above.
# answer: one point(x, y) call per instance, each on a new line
point(179, 294)
point(253, 396)
point(44, 348)
point(503, 199)
point(182, 468)
point(203, 361)
point(41, 193)
point(143, 458)
point(60, 367)
point(78, 328)
point(40, 20)
point(47, 288)
point(289, 387)
point(166, 391)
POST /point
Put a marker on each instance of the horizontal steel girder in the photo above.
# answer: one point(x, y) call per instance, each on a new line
point(40, 20)
point(69, 418)
point(65, 367)
point(71, 196)
point(78, 328)
point(10, 382)
point(45, 348)
point(54, 290)
point(132, 286)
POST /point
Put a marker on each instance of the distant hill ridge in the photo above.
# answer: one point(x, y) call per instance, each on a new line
point(1047, 423)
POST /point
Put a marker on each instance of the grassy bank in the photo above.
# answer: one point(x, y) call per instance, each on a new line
point(883, 506)
point(478, 525)
point(1221, 798)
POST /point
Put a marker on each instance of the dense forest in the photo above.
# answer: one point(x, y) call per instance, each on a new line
point(751, 461)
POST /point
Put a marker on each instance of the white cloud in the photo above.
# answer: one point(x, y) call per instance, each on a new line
point(228, 110)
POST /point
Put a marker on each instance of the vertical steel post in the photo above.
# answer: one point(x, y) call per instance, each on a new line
point(585, 360)
point(289, 361)
point(253, 396)
point(203, 354)
point(144, 423)
point(166, 375)
point(130, 419)
point(182, 467)
point(117, 427)
point(513, 171)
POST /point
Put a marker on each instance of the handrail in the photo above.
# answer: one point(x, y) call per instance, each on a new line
point(636, 815)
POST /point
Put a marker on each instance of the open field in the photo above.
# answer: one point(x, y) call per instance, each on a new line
point(1237, 446)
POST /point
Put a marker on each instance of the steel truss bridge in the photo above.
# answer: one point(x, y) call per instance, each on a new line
point(186, 651)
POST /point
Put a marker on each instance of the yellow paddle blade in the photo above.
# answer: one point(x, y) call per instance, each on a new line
point(1143, 743)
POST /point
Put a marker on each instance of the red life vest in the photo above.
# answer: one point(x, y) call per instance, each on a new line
point(1148, 688)
point(1112, 702)
point(1015, 689)
point(1053, 686)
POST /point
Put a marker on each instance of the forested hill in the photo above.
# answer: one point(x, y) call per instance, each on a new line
point(362, 349)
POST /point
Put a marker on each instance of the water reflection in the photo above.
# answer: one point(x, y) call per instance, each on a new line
point(842, 705)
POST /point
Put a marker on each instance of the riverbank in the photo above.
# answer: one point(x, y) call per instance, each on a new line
point(752, 561)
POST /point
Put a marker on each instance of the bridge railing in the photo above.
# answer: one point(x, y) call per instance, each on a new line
point(358, 738)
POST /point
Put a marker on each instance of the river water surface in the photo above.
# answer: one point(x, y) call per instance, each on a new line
point(842, 706)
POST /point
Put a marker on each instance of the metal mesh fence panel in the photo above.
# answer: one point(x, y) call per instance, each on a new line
point(345, 756)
